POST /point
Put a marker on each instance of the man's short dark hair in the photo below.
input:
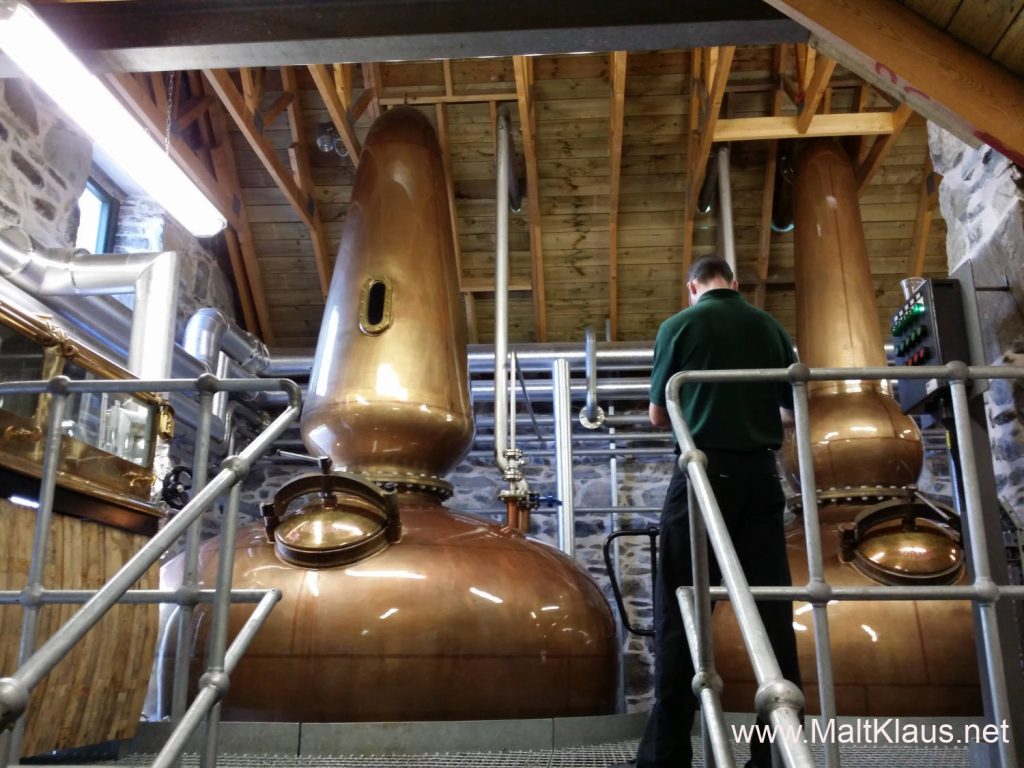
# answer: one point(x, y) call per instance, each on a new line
point(707, 268)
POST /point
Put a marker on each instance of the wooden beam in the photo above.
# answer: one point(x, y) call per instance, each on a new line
point(616, 125)
point(277, 108)
point(440, 98)
point(903, 54)
point(786, 127)
point(298, 155)
point(325, 84)
point(449, 81)
point(233, 101)
point(882, 146)
point(453, 216)
point(192, 110)
point(926, 198)
point(709, 120)
point(823, 69)
point(373, 82)
point(244, 262)
point(154, 118)
point(860, 146)
point(523, 66)
point(764, 240)
point(252, 87)
point(343, 83)
point(690, 205)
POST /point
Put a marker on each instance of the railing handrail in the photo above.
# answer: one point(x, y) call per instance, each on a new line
point(779, 701)
point(35, 663)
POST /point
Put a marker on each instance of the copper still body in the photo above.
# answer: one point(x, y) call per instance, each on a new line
point(395, 607)
point(890, 658)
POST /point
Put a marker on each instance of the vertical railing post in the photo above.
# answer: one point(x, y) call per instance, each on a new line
point(215, 673)
point(988, 592)
point(705, 651)
point(561, 395)
point(182, 656)
point(10, 751)
point(816, 584)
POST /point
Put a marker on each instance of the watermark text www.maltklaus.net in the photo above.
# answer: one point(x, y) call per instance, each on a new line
point(889, 730)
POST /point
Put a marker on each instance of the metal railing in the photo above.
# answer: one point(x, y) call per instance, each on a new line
point(779, 701)
point(34, 664)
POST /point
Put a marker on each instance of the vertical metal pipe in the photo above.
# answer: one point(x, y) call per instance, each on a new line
point(815, 568)
point(219, 625)
point(512, 400)
point(560, 393)
point(725, 224)
point(40, 546)
point(996, 667)
point(200, 462)
point(501, 383)
point(705, 652)
point(156, 303)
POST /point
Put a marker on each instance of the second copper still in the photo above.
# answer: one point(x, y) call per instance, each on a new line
point(395, 607)
point(890, 658)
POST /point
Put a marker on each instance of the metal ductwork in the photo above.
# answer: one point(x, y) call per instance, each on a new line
point(151, 277)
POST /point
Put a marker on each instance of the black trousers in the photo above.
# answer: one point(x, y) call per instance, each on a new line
point(751, 499)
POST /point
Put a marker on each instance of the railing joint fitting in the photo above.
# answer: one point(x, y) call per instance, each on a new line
point(707, 679)
point(32, 596)
point(13, 701)
point(218, 681)
point(58, 385)
point(987, 590)
point(691, 456)
point(799, 373)
point(238, 466)
point(958, 370)
point(207, 382)
point(777, 694)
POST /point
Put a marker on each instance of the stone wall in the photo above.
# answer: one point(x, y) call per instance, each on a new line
point(982, 200)
point(44, 165)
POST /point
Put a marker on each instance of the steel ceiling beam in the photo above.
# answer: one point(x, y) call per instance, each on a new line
point(144, 36)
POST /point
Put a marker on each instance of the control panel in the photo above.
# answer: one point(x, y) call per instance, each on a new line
point(928, 329)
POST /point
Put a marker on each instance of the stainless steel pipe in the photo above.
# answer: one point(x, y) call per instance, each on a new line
point(563, 456)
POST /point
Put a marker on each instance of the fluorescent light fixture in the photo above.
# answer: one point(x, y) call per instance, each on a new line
point(42, 56)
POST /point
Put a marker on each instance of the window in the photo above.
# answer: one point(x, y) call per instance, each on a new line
point(97, 219)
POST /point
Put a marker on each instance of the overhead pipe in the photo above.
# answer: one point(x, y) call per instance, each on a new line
point(592, 416)
point(726, 231)
point(210, 332)
point(152, 277)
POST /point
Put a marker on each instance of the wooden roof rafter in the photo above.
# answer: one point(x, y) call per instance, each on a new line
point(301, 200)
point(524, 75)
point(904, 55)
point(330, 91)
point(215, 175)
point(709, 76)
point(616, 127)
point(927, 197)
point(373, 82)
point(768, 190)
point(881, 147)
point(298, 158)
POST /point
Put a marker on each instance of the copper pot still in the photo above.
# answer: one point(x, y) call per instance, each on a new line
point(890, 658)
point(395, 607)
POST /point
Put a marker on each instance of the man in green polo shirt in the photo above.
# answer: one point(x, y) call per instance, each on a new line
point(739, 426)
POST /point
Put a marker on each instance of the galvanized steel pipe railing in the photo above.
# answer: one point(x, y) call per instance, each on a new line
point(778, 701)
point(35, 663)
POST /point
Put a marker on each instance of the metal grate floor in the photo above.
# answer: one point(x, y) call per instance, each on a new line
point(599, 756)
